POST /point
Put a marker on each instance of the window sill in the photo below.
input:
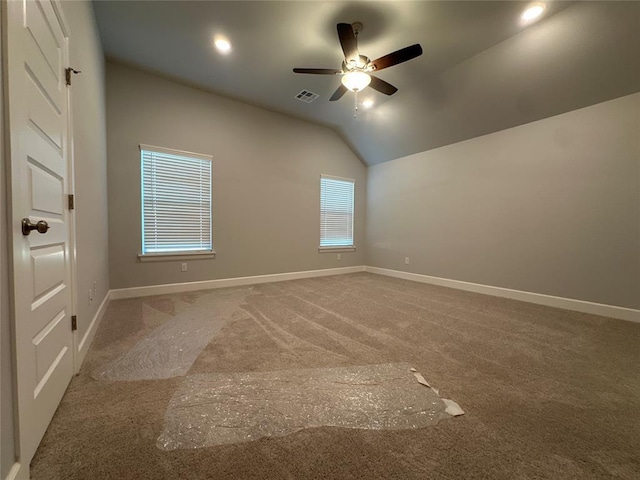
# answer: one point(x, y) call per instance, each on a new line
point(175, 256)
point(336, 249)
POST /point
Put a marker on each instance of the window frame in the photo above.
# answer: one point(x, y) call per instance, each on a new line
point(339, 248)
point(174, 255)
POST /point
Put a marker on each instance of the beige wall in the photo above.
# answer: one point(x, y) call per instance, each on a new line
point(550, 207)
point(266, 185)
point(90, 155)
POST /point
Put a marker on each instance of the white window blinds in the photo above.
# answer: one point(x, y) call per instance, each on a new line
point(176, 201)
point(336, 211)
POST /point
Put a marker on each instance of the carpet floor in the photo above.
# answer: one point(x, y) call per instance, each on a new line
point(547, 393)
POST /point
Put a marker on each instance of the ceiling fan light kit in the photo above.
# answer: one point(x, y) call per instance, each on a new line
point(356, 69)
point(356, 80)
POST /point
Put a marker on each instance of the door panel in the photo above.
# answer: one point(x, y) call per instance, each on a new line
point(37, 148)
point(46, 342)
point(38, 117)
point(47, 306)
point(47, 77)
point(48, 269)
point(42, 113)
point(46, 190)
point(42, 31)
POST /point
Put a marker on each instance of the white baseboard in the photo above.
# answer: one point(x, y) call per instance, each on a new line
point(621, 313)
point(83, 345)
point(18, 472)
point(612, 311)
point(227, 282)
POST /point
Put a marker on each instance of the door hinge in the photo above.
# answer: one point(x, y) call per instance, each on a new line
point(74, 323)
point(67, 74)
point(72, 201)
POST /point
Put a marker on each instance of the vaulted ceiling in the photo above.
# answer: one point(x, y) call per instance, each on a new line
point(482, 70)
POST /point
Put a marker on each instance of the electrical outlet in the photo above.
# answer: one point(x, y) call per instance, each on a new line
point(95, 288)
point(406, 260)
point(339, 256)
point(184, 267)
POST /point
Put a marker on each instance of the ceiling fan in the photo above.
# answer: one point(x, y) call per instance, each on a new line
point(356, 69)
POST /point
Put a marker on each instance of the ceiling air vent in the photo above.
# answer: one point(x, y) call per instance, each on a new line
point(306, 96)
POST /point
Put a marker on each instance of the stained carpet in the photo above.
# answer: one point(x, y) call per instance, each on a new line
point(548, 393)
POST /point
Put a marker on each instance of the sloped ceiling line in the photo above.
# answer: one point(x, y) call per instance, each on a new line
point(481, 70)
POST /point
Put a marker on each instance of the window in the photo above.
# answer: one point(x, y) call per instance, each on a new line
point(176, 202)
point(336, 212)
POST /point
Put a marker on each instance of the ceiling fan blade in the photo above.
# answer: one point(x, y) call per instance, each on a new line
point(382, 86)
point(318, 71)
point(348, 42)
point(397, 57)
point(337, 95)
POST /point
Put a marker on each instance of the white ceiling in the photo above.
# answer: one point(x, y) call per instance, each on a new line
point(481, 70)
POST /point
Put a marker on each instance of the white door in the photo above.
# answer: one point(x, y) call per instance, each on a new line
point(37, 49)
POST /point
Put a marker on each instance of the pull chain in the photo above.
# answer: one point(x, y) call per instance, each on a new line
point(355, 111)
point(355, 106)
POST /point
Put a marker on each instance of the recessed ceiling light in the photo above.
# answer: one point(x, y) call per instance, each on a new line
point(223, 45)
point(532, 12)
point(368, 103)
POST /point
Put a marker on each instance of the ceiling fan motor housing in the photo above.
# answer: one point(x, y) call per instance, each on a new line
point(363, 65)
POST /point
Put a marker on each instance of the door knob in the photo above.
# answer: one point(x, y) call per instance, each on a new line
point(41, 226)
